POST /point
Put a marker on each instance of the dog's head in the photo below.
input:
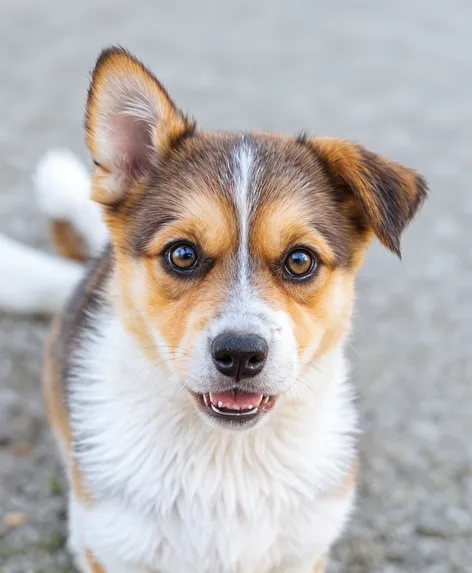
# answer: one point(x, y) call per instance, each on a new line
point(235, 253)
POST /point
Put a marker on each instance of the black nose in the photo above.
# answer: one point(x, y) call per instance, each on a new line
point(239, 355)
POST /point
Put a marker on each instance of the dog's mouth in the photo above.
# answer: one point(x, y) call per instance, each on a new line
point(235, 406)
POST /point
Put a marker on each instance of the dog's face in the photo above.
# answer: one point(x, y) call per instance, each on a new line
point(235, 254)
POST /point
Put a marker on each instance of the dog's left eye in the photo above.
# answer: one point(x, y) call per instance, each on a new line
point(182, 257)
point(299, 263)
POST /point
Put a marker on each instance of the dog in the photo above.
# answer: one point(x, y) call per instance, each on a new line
point(195, 381)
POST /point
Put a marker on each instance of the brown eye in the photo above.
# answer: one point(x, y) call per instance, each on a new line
point(182, 257)
point(299, 263)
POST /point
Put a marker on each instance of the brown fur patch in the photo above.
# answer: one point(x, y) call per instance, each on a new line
point(66, 241)
point(388, 193)
point(282, 224)
point(53, 389)
point(93, 565)
point(205, 219)
point(85, 300)
point(79, 488)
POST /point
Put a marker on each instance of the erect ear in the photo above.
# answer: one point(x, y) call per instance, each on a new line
point(388, 193)
point(130, 121)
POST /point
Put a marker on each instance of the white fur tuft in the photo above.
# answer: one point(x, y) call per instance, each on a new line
point(62, 187)
point(32, 281)
point(60, 181)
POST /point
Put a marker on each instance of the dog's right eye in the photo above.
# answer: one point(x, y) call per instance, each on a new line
point(182, 257)
point(300, 264)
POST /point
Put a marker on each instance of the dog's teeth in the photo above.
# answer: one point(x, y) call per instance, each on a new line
point(220, 404)
point(266, 399)
point(206, 399)
point(250, 407)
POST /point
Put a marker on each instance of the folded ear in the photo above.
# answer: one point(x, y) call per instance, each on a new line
point(130, 121)
point(388, 193)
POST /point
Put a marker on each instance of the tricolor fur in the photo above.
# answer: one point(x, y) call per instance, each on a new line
point(161, 482)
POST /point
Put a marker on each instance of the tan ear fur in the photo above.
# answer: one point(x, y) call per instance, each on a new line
point(388, 193)
point(130, 122)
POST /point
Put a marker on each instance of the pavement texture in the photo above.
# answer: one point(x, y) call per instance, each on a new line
point(396, 77)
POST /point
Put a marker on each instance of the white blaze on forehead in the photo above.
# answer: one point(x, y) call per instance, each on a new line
point(243, 171)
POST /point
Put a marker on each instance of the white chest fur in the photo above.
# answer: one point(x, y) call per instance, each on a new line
point(178, 496)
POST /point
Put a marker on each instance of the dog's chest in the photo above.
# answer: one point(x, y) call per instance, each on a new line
point(176, 493)
point(234, 505)
point(216, 533)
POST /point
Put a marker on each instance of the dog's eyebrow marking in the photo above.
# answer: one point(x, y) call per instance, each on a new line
point(143, 232)
point(243, 156)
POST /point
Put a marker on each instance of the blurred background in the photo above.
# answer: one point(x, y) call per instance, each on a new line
point(394, 76)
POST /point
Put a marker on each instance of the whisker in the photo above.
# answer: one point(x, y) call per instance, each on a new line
point(307, 385)
point(314, 366)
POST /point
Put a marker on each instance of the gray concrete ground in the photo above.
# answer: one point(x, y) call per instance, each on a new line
point(397, 77)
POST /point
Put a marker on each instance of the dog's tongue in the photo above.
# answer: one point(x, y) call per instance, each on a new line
point(235, 400)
